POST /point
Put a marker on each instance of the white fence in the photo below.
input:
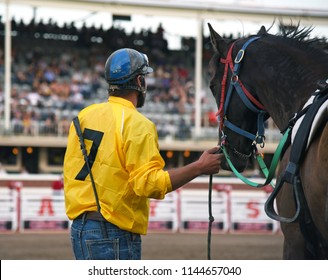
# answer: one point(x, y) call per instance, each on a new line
point(185, 210)
point(195, 210)
point(8, 210)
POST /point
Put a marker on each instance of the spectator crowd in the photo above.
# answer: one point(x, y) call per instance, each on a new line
point(57, 71)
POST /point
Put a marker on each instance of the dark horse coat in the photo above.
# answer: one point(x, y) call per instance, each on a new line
point(281, 72)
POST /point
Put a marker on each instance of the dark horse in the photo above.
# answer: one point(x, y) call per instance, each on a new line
point(275, 77)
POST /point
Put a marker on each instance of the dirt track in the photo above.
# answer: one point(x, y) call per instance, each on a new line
point(157, 246)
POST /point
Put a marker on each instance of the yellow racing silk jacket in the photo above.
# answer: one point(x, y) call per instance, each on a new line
point(123, 151)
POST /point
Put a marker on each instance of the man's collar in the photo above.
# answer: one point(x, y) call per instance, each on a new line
point(122, 101)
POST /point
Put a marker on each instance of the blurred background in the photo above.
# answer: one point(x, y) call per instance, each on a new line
point(57, 55)
point(52, 57)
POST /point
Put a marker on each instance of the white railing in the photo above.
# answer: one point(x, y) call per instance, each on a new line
point(168, 130)
point(42, 208)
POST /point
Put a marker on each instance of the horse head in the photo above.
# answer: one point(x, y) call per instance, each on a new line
point(228, 86)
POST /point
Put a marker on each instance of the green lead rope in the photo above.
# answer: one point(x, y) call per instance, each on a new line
point(269, 174)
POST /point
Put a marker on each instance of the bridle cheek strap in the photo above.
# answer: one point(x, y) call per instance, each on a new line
point(250, 96)
point(228, 63)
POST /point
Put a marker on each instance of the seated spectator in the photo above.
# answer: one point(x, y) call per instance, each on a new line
point(50, 125)
point(64, 126)
point(183, 131)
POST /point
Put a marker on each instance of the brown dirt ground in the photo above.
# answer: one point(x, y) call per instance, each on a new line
point(156, 246)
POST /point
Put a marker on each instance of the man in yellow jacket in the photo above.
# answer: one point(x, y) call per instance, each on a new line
point(109, 182)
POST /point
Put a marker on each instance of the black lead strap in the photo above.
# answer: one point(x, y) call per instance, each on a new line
point(210, 215)
point(77, 126)
point(211, 218)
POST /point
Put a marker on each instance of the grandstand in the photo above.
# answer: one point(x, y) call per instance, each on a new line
point(58, 70)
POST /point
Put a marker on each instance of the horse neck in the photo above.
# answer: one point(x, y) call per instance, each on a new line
point(284, 87)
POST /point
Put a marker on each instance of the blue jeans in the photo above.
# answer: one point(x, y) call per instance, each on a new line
point(88, 242)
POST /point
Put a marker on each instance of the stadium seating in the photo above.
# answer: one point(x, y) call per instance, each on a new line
point(57, 71)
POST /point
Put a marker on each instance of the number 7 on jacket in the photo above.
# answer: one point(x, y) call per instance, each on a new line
point(96, 137)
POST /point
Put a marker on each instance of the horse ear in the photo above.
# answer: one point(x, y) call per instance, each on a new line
point(218, 43)
point(262, 31)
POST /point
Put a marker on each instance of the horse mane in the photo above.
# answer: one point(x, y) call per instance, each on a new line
point(300, 36)
point(295, 31)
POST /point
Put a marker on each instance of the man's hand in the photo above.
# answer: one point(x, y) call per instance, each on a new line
point(210, 161)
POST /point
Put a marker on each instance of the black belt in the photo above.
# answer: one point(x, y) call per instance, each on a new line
point(96, 216)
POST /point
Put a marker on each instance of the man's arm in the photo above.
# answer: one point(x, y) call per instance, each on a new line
point(208, 163)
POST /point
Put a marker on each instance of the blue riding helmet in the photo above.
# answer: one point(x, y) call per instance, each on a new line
point(124, 64)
